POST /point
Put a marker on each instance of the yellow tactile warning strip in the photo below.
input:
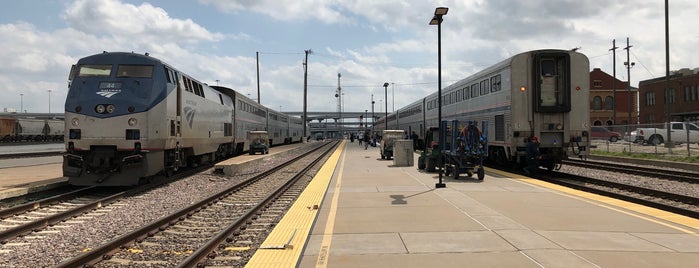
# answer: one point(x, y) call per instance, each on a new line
point(284, 245)
point(614, 204)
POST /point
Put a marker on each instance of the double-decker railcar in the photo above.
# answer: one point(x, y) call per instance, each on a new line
point(541, 93)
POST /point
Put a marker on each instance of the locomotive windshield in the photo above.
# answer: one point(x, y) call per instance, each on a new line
point(138, 71)
point(94, 70)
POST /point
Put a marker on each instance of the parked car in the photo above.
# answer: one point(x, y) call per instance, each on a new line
point(598, 132)
point(633, 137)
point(680, 132)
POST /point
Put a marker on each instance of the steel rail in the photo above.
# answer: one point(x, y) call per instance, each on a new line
point(104, 251)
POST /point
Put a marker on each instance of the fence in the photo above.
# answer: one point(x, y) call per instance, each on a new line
point(646, 139)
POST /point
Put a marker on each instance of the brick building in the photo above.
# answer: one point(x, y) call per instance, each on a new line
point(682, 96)
point(602, 95)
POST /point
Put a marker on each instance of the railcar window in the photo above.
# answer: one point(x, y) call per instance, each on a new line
point(92, 70)
point(495, 83)
point(465, 93)
point(474, 90)
point(548, 68)
point(139, 71)
point(167, 75)
point(485, 87)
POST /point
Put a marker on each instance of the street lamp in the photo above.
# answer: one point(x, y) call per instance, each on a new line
point(385, 91)
point(49, 101)
point(437, 20)
point(373, 119)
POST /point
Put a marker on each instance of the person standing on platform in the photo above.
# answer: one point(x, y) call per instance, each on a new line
point(533, 155)
point(366, 139)
point(414, 137)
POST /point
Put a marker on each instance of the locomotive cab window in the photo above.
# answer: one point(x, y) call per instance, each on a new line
point(138, 71)
point(552, 78)
point(95, 70)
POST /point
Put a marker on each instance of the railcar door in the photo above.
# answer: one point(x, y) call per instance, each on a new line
point(552, 82)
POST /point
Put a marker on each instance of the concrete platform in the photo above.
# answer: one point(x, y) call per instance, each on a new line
point(377, 215)
point(29, 175)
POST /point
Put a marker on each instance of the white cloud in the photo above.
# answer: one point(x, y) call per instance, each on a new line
point(112, 17)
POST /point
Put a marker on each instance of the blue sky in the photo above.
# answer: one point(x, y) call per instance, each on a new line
point(368, 42)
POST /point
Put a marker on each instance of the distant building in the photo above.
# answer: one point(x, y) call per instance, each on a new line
point(681, 98)
point(602, 100)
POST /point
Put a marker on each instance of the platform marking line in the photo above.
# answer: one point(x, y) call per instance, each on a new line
point(613, 204)
point(324, 251)
point(286, 242)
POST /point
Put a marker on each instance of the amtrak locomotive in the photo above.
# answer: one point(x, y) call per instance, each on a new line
point(542, 93)
point(130, 116)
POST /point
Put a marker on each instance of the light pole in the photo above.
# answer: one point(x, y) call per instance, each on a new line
point(437, 20)
point(393, 97)
point(49, 101)
point(373, 119)
point(385, 91)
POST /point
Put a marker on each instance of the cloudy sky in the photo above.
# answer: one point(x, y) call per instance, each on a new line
point(368, 42)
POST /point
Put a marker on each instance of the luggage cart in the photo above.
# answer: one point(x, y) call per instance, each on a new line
point(465, 148)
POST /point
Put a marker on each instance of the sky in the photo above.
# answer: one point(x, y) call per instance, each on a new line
point(367, 42)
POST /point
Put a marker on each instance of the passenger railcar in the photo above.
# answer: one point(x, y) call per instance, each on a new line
point(130, 116)
point(541, 93)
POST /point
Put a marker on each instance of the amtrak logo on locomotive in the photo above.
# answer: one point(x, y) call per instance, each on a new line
point(108, 93)
point(189, 115)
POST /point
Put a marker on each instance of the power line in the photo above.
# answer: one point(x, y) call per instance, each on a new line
point(644, 66)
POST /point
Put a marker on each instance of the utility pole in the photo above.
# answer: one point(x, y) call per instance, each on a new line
point(628, 64)
point(613, 49)
point(305, 91)
point(669, 144)
point(257, 59)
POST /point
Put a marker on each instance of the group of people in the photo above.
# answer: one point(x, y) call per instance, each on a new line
point(365, 138)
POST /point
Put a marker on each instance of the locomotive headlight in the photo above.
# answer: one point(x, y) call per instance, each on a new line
point(133, 121)
point(75, 122)
point(99, 108)
point(110, 108)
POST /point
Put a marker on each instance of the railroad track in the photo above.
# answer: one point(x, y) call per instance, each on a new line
point(655, 172)
point(676, 203)
point(35, 216)
point(232, 218)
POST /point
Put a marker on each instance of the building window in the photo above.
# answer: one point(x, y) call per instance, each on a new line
point(597, 103)
point(609, 103)
point(597, 83)
point(670, 96)
point(650, 98)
